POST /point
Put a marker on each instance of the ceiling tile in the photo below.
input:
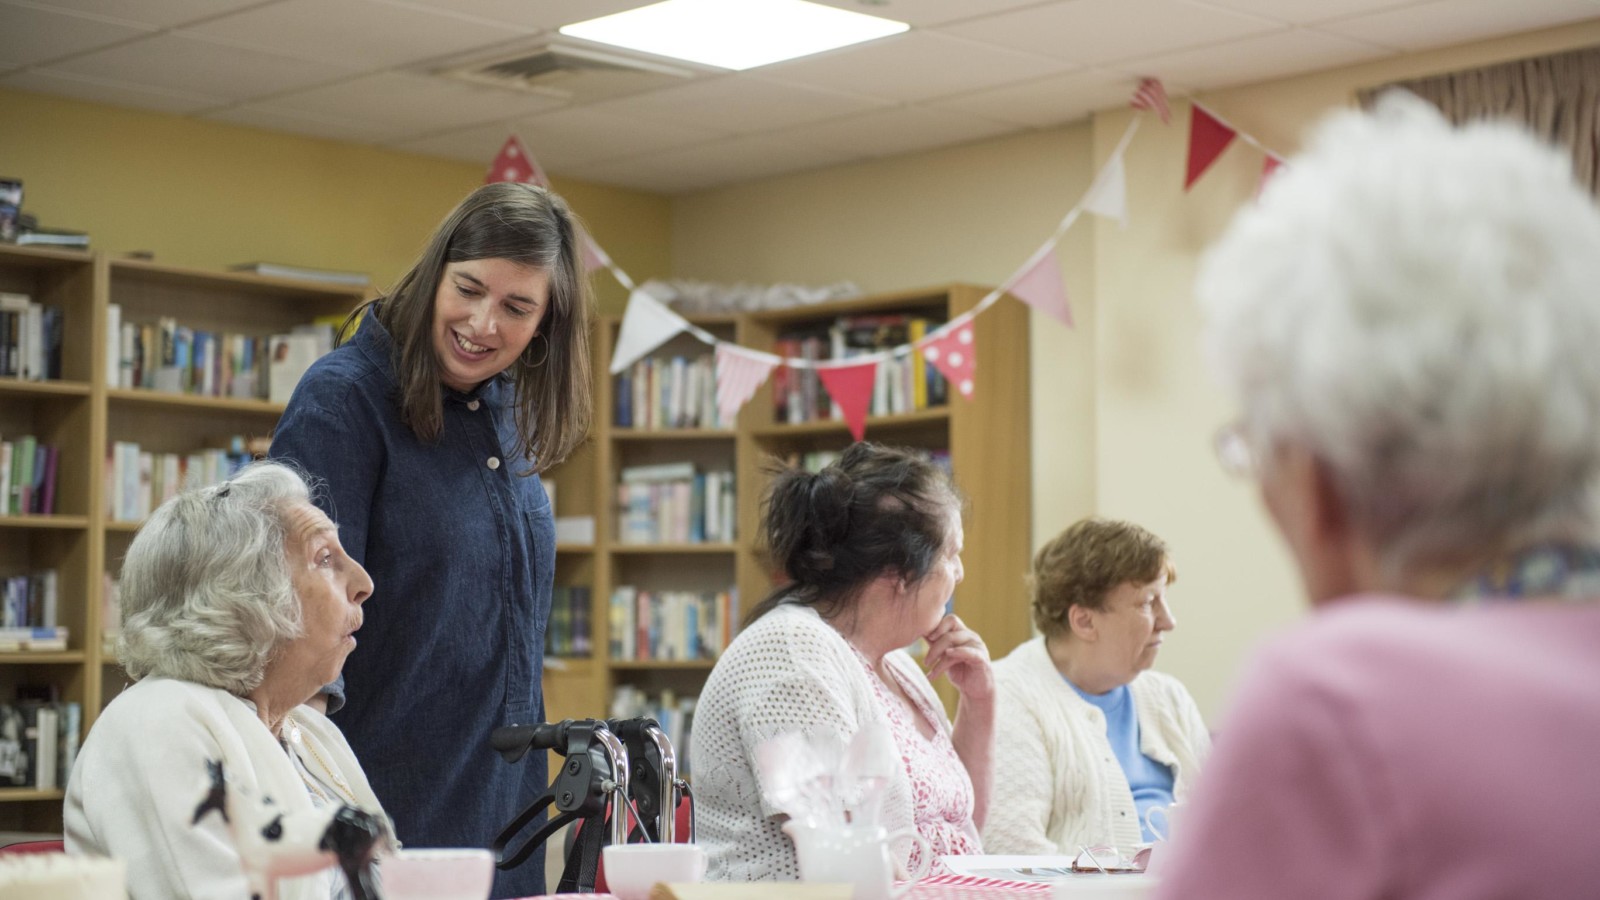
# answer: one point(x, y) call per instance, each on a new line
point(720, 162)
point(361, 34)
point(153, 13)
point(413, 104)
point(571, 137)
point(116, 94)
point(271, 118)
point(480, 143)
point(738, 104)
point(176, 63)
point(923, 13)
point(903, 130)
point(546, 14)
point(1253, 59)
point(1445, 22)
point(1095, 32)
point(1306, 12)
point(29, 36)
point(915, 66)
point(1047, 101)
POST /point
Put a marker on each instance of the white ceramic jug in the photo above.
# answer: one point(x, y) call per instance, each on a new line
point(858, 856)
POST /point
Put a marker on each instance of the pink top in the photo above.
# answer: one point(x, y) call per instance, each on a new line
point(941, 789)
point(1390, 749)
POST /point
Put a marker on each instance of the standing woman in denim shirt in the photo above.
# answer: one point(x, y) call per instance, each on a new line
point(470, 377)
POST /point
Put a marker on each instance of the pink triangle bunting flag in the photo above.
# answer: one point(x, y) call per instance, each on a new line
point(1269, 165)
point(739, 373)
point(1208, 137)
point(850, 386)
point(955, 354)
point(1040, 286)
point(593, 256)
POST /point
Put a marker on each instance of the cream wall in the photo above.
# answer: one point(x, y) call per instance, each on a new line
point(1124, 408)
point(211, 195)
point(972, 213)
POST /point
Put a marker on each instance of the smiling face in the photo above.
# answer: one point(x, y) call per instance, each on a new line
point(485, 313)
point(331, 588)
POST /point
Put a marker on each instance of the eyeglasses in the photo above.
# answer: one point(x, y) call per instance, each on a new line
point(1233, 450)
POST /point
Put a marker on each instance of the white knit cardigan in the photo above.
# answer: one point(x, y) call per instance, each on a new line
point(142, 773)
point(790, 671)
point(1058, 785)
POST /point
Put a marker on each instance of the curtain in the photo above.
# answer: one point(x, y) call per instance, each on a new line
point(1556, 96)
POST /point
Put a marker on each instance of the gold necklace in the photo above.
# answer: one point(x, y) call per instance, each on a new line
point(338, 782)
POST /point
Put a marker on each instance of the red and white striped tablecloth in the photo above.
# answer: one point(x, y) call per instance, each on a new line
point(938, 887)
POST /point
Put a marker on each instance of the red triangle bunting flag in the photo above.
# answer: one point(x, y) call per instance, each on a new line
point(739, 373)
point(515, 163)
point(1208, 137)
point(850, 386)
point(1040, 287)
point(954, 354)
point(1268, 165)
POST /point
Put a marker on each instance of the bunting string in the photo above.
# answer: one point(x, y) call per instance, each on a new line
point(648, 323)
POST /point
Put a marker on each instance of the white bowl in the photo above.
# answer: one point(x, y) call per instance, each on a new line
point(464, 874)
point(633, 869)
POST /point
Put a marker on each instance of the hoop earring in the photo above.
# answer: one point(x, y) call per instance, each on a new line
point(542, 360)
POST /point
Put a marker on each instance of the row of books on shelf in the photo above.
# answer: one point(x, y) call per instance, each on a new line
point(166, 356)
point(674, 714)
point(902, 384)
point(671, 625)
point(30, 338)
point(568, 633)
point(28, 477)
point(672, 503)
point(38, 743)
point(138, 481)
point(28, 601)
point(663, 393)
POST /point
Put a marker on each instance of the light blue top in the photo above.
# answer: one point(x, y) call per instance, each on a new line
point(1150, 781)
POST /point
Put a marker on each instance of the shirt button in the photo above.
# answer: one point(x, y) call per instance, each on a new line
point(494, 462)
point(472, 405)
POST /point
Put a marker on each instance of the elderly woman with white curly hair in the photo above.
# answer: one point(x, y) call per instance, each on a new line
point(239, 603)
point(1411, 320)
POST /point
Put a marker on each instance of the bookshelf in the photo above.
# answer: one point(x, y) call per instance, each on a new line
point(987, 439)
point(80, 415)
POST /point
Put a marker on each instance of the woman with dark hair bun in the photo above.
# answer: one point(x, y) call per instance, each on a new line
point(871, 546)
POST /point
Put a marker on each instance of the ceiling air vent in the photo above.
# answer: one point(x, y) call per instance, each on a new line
point(569, 72)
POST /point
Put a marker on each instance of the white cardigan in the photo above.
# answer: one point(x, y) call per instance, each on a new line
point(1058, 785)
point(790, 671)
point(142, 772)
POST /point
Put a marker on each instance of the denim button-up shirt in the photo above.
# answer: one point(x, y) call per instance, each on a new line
point(460, 544)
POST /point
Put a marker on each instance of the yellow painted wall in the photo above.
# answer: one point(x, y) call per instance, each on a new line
point(1124, 409)
point(210, 195)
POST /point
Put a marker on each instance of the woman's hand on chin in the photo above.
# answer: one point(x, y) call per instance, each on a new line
point(956, 651)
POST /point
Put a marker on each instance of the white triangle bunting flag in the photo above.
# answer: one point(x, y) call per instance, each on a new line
point(646, 325)
point(1108, 196)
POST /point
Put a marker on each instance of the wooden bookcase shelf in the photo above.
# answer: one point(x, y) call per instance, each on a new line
point(81, 415)
point(987, 438)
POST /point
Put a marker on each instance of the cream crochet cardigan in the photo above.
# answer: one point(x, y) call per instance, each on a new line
point(1058, 785)
point(790, 671)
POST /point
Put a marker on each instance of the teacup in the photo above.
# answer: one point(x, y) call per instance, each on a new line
point(633, 869)
point(463, 874)
point(857, 855)
point(1167, 815)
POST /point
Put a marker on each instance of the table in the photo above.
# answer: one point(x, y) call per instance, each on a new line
point(938, 887)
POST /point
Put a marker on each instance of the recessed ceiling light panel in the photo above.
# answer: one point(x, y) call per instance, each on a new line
point(734, 34)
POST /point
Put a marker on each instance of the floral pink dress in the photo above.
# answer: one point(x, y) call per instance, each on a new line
point(941, 789)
